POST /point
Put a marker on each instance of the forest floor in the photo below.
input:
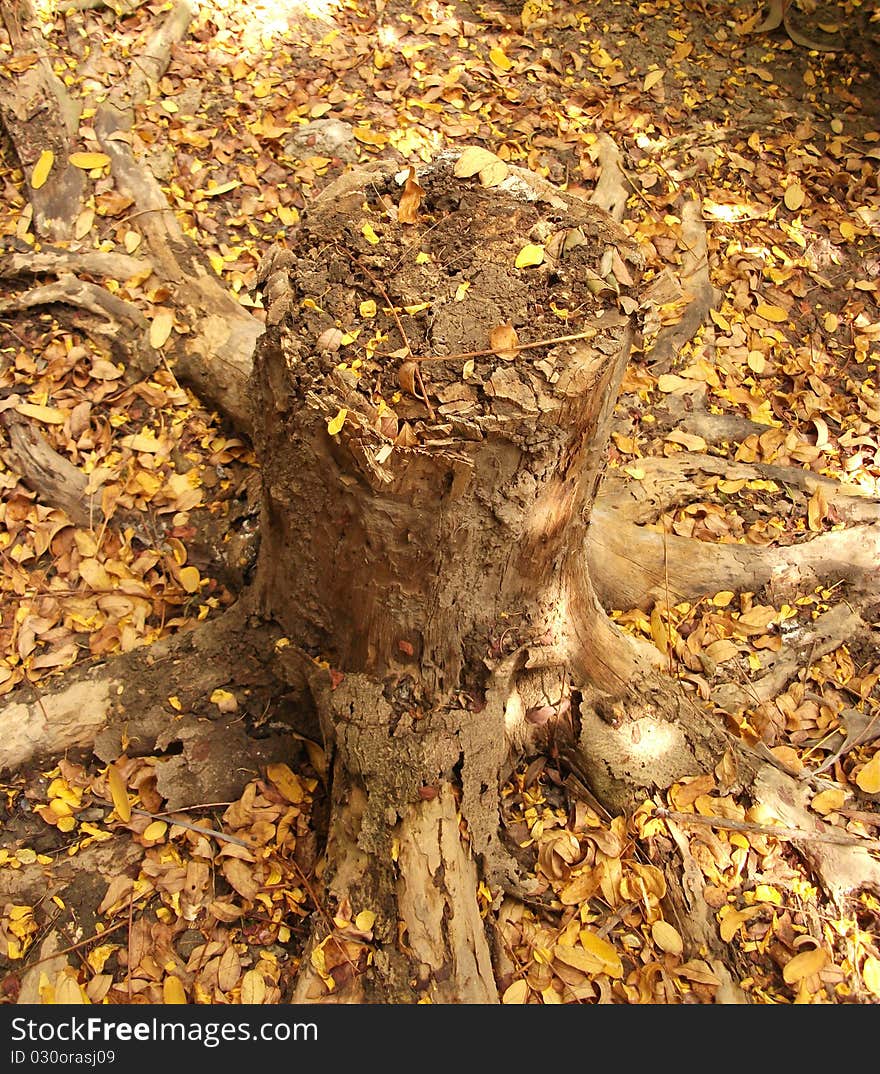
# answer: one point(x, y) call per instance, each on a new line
point(263, 104)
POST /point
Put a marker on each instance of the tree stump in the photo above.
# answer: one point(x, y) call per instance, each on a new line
point(432, 398)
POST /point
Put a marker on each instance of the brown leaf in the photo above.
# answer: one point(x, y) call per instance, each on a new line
point(410, 200)
point(504, 341)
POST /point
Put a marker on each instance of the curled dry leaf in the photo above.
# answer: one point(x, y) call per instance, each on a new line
point(410, 200)
point(504, 341)
point(406, 377)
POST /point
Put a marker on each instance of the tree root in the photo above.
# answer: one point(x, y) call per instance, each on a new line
point(634, 567)
point(694, 279)
point(123, 328)
point(122, 706)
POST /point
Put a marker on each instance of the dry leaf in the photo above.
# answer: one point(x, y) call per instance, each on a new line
point(160, 328)
point(504, 341)
point(42, 168)
point(805, 965)
point(868, 779)
point(667, 938)
point(119, 793)
point(410, 200)
point(472, 160)
point(518, 992)
point(530, 254)
point(335, 424)
point(88, 161)
point(173, 991)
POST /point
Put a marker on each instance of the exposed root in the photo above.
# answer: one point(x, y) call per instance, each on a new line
point(633, 567)
point(121, 704)
point(826, 634)
point(123, 327)
point(667, 483)
point(39, 115)
point(694, 278)
point(611, 190)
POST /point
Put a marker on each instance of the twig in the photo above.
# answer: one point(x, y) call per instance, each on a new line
point(212, 833)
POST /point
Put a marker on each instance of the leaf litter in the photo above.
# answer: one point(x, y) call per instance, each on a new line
point(784, 159)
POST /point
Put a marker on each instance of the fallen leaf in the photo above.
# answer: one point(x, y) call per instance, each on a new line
point(518, 992)
point(41, 169)
point(667, 938)
point(472, 160)
point(160, 328)
point(771, 313)
point(119, 793)
point(651, 79)
point(500, 59)
point(88, 161)
point(530, 254)
point(173, 991)
point(410, 200)
point(868, 779)
point(805, 965)
point(335, 424)
point(504, 341)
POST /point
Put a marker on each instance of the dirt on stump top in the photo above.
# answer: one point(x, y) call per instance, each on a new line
point(425, 301)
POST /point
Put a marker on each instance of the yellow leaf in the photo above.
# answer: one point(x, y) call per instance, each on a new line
point(160, 328)
point(756, 362)
point(368, 308)
point(253, 987)
point(871, 975)
point(720, 320)
point(87, 161)
point(286, 781)
point(868, 779)
point(530, 254)
point(518, 992)
point(173, 991)
point(472, 160)
point(223, 188)
point(602, 950)
point(731, 922)
point(805, 965)
point(48, 414)
point(793, 196)
point(651, 79)
point(155, 831)
point(118, 793)
point(368, 137)
point(369, 234)
point(771, 313)
point(667, 938)
point(189, 579)
point(847, 230)
point(829, 801)
point(500, 59)
point(67, 990)
point(365, 920)
point(224, 700)
point(42, 168)
point(335, 424)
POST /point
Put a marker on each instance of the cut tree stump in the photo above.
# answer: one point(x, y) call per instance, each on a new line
point(432, 399)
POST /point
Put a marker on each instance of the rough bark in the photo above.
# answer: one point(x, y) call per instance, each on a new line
point(439, 572)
